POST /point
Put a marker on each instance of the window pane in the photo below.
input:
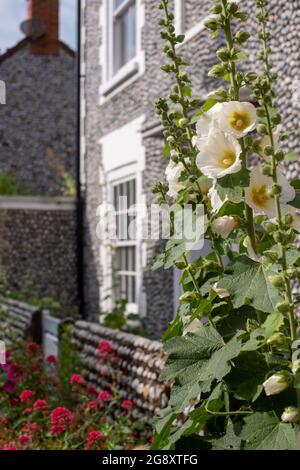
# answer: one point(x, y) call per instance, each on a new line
point(118, 3)
point(125, 37)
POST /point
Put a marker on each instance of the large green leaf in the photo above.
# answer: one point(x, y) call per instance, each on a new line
point(264, 431)
point(247, 282)
point(245, 384)
point(228, 442)
point(232, 186)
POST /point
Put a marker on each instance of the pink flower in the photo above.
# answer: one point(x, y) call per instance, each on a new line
point(58, 429)
point(92, 405)
point(9, 446)
point(76, 379)
point(31, 428)
point(104, 348)
point(40, 405)
point(127, 405)
point(104, 396)
point(94, 438)
point(26, 396)
point(61, 416)
point(14, 402)
point(27, 411)
point(23, 439)
point(9, 387)
point(52, 359)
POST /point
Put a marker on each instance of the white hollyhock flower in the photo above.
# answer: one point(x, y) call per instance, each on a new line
point(219, 156)
point(236, 118)
point(173, 173)
point(216, 201)
point(266, 142)
point(256, 195)
point(286, 209)
point(205, 125)
point(290, 415)
point(222, 293)
point(276, 384)
point(223, 226)
point(251, 253)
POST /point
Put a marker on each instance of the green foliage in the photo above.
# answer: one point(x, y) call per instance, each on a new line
point(10, 187)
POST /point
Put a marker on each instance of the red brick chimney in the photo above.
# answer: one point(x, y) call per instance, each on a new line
point(46, 12)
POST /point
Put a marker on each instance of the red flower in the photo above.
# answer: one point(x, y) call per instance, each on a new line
point(52, 359)
point(9, 446)
point(61, 416)
point(104, 348)
point(58, 429)
point(31, 428)
point(32, 347)
point(94, 437)
point(92, 390)
point(127, 405)
point(27, 411)
point(14, 402)
point(76, 379)
point(151, 439)
point(23, 439)
point(40, 405)
point(26, 396)
point(104, 396)
point(92, 405)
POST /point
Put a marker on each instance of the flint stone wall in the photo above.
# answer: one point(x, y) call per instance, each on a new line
point(38, 238)
point(136, 372)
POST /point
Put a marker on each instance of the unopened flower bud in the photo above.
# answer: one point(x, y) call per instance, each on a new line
point(217, 9)
point(279, 155)
point(232, 7)
point(275, 190)
point(277, 383)
point(188, 297)
point(283, 307)
point(223, 54)
point(262, 129)
point(268, 150)
point(277, 338)
point(276, 119)
point(183, 122)
point(211, 24)
point(277, 281)
point(242, 36)
point(266, 169)
point(217, 71)
point(223, 226)
point(270, 227)
point(290, 415)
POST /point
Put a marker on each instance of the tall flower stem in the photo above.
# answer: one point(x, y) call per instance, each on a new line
point(274, 163)
point(235, 96)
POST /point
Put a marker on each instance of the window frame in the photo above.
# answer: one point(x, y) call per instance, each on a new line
point(132, 307)
point(111, 82)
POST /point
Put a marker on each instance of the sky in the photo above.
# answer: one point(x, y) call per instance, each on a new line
point(13, 12)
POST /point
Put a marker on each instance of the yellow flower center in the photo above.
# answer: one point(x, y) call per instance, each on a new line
point(259, 196)
point(240, 121)
point(228, 158)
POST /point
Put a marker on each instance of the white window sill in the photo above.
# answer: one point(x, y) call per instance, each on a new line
point(125, 73)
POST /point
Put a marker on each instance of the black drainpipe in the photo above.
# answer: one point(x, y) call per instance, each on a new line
point(79, 201)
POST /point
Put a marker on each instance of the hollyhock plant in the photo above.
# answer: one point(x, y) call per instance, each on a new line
point(233, 347)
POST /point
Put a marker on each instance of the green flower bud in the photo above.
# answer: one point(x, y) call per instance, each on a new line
point(251, 325)
point(223, 54)
point(266, 169)
point(262, 129)
point(183, 122)
point(232, 8)
point(211, 24)
point(216, 9)
point(277, 281)
point(268, 150)
point(242, 36)
point(275, 190)
point(279, 155)
point(217, 71)
point(188, 297)
point(283, 307)
point(260, 112)
point(170, 139)
point(278, 339)
point(288, 219)
point(270, 227)
point(276, 119)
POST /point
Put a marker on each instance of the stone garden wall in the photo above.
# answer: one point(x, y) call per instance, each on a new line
point(38, 240)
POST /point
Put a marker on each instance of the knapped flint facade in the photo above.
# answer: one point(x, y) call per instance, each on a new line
point(111, 106)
